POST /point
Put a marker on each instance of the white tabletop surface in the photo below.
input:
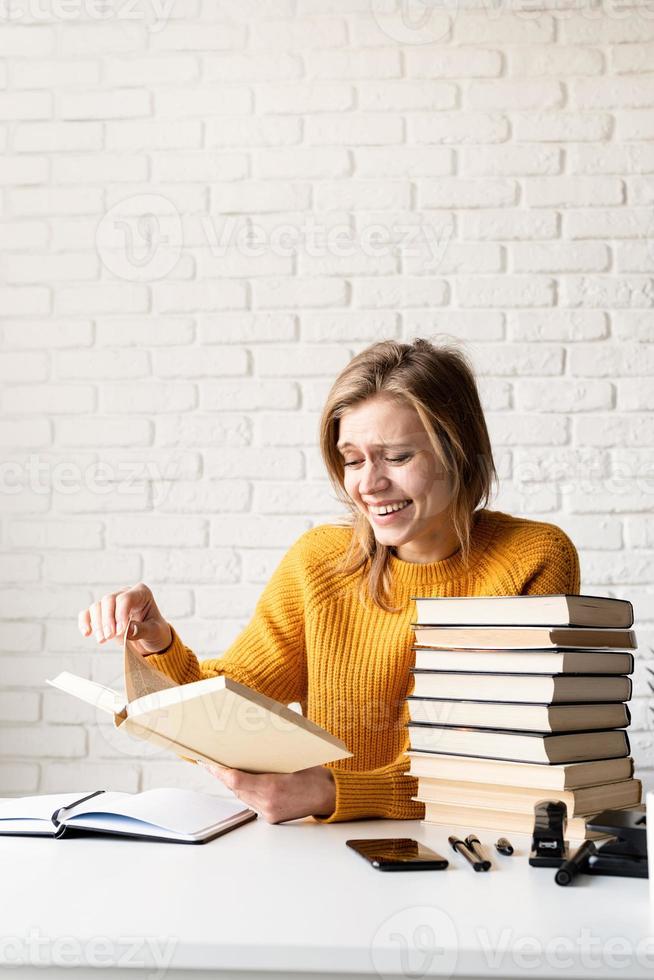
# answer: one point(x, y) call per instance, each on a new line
point(292, 897)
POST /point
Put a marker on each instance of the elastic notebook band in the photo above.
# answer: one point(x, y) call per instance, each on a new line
point(70, 806)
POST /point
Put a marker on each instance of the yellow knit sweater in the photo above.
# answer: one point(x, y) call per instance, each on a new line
point(312, 641)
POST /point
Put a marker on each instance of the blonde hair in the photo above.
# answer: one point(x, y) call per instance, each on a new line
point(439, 383)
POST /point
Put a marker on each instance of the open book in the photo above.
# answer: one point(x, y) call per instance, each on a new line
point(212, 720)
point(173, 815)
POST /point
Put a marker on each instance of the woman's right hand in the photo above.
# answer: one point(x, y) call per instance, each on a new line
point(107, 618)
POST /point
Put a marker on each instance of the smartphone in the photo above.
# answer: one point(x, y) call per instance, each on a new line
point(398, 854)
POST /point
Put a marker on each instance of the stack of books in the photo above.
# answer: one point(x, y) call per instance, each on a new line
point(518, 699)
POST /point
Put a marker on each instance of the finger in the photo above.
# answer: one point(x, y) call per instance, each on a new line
point(142, 631)
point(118, 610)
point(253, 800)
point(154, 635)
point(130, 603)
point(211, 769)
point(246, 783)
point(84, 622)
point(108, 607)
point(96, 621)
point(215, 768)
point(226, 776)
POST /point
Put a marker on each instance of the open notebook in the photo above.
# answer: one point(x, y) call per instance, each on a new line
point(173, 815)
point(211, 720)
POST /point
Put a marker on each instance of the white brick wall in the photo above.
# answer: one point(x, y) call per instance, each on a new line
point(204, 217)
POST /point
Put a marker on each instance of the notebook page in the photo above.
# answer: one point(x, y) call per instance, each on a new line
point(33, 814)
point(182, 811)
point(37, 807)
point(115, 823)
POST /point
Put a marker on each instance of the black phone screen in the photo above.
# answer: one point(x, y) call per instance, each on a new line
point(398, 854)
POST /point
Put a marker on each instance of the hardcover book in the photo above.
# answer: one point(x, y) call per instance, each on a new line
point(523, 610)
point(520, 746)
point(524, 637)
point(554, 661)
point(520, 688)
point(564, 776)
point(518, 717)
point(211, 720)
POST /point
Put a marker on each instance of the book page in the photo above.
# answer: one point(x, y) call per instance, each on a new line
point(37, 807)
point(33, 814)
point(179, 811)
point(89, 691)
point(226, 722)
point(140, 677)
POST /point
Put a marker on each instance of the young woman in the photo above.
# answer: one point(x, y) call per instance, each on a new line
point(405, 444)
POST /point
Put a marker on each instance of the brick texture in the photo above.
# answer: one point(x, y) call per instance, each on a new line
point(204, 219)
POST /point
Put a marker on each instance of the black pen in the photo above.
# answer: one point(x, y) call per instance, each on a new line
point(460, 848)
point(474, 846)
point(571, 868)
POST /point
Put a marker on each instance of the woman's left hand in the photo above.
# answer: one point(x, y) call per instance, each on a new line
point(281, 796)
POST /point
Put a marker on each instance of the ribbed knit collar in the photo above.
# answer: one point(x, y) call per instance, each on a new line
point(414, 575)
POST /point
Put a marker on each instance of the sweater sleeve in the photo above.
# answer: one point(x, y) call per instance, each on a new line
point(269, 654)
point(382, 792)
point(557, 572)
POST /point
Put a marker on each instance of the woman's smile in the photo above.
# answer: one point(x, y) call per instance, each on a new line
point(387, 515)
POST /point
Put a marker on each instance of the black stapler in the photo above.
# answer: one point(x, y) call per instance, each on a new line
point(548, 846)
point(625, 854)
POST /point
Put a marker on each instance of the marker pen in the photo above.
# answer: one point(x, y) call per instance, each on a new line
point(474, 846)
point(460, 848)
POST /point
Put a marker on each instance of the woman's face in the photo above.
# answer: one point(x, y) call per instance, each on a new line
point(388, 459)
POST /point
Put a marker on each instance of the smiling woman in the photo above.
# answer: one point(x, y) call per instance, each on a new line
point(405, 444)
point(403, 427)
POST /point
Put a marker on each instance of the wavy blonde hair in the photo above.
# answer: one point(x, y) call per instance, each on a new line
point(439, 383)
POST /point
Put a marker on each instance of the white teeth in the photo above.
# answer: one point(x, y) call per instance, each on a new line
point(380, 511)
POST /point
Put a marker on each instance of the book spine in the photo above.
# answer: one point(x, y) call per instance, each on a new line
point(631, 612)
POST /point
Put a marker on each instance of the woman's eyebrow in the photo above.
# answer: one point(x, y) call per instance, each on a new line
point(376, 445)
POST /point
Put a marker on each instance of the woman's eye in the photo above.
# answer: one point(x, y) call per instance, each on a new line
point(389, 459)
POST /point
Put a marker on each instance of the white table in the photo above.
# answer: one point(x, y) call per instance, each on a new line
point(289, 899)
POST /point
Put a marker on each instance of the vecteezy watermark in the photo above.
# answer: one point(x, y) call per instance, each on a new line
point(67, 477)
point(611, 10)
point(141, 238)
point(414, 21)
point(413, 941)
point(564, 953)
point(154, 13)
point(585, 472)
point(154, 953)
point(316, 240)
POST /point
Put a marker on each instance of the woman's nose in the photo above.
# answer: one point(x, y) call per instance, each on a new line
point(372, 478)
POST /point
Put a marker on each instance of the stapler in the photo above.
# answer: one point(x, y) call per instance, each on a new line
point(548, 847)
point(625, 854)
